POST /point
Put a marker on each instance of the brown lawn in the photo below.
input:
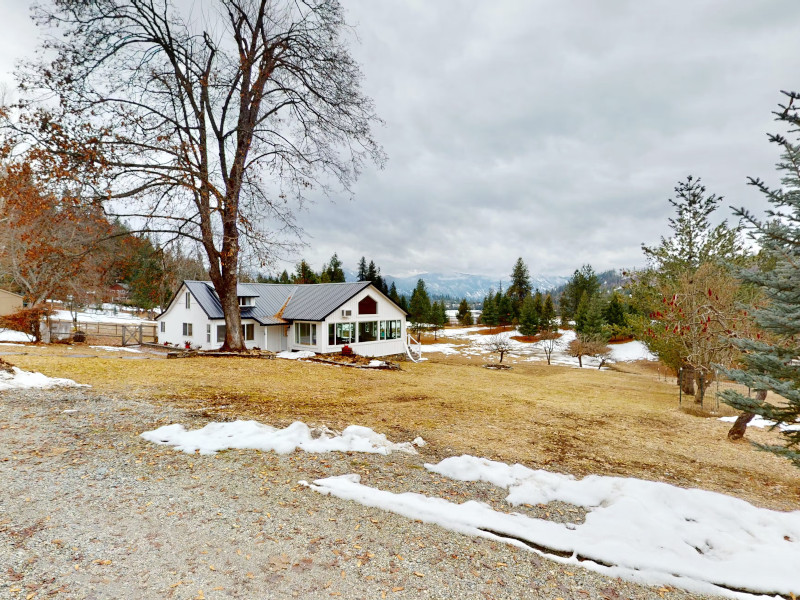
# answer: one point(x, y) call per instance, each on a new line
point(619, 422)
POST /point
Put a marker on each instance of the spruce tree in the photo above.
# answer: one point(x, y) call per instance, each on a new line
point(771, 364)
point(582, 313)
point(548, 316)
point(489, 311)
point(362, 270)
point(334, 270)
point(520, 287)
point(393, 295)
point(420, 307)
point(529, 317)
point(463, 309)
point(284, 278)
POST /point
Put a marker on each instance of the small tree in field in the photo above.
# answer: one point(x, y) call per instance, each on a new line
point(499, 344)
point(547, 342)
point(584, 346)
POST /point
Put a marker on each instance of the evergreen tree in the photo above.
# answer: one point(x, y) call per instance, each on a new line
point(334, 271)
point(372, 272)
point(771, 364)
point(505, 309)
point(466, 320)
point(403, 303)
point(304, 273)
point(489, 311)
point(614, 312)
point(582, 313)
point(694, 242)
point(420, 307)
point(529, 317)
point(463, 309)
point(583, 280)
point(393, 295)
point(538, 307)
point(284, 278)
point(594, 326)
point(548, 317)
point(520, 286)
point(362, 270)
point(438, 317)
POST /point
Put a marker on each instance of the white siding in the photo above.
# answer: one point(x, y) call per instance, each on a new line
point(177, 314)
point(387, 311)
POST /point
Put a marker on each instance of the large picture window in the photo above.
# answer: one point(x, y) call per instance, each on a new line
point(305, 334)
point(368, 331)
point(341, 333)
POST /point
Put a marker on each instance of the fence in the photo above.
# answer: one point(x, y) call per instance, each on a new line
point(710, 386)
point(134, 333)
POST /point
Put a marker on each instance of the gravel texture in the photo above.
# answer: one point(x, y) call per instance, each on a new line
point(90, 510)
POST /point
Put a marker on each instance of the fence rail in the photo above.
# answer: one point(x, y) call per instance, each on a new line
point(133, 333)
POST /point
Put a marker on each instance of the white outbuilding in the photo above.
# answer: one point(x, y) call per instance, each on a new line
point(321, 318)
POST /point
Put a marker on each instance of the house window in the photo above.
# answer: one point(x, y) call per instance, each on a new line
point(367, 331)
point(208, 333)
point(163, 326)
point(341, 333)
point(305, 334)
point(248, 331)
point(247, 301)
point(390, 330)
point(188, 300)
point(368, 306)
point(187, 329)
point(221, 333)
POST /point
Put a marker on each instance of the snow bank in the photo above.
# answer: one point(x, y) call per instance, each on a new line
point(86, 317)
point(19, 380)
point(759, 421)
point(295, 355)
point(255, 436)
point(9, 335)
point(441, 348)
point(649, 532)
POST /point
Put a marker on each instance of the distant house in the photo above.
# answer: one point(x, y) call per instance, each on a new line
point(119, 292)
point(321, 318)
point(9, 303)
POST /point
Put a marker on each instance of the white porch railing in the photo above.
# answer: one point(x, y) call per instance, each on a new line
point(417, 347)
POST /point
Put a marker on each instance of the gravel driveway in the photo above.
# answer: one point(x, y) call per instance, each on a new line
point(90, 510)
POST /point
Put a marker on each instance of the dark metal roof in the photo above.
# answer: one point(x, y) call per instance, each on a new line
point(314, 302)
point(308, 302)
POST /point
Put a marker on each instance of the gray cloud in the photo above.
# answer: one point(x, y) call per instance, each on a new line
point(545, 129)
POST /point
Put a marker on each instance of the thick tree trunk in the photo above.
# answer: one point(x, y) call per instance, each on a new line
point(740, 425)
point(686, 379)
point(700, 382)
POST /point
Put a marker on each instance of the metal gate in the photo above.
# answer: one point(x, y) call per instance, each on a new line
point(131, 335)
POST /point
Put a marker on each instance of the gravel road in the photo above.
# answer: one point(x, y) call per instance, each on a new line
point(90, 510)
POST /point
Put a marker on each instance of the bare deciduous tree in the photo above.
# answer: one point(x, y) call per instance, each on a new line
point(547, 342)
point(499, 344)
point(206, 126)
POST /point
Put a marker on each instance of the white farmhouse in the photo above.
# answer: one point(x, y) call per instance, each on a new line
point(321, 318)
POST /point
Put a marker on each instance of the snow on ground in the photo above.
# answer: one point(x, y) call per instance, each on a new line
point(253, 435)
point(477, 344)
point(288, 354)
point(19, 379)
point(759, 421)
point(116, 349)
point(104, 317)
point(9, 335)
point(649, 532)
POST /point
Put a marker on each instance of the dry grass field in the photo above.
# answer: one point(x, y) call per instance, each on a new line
point(624, 421)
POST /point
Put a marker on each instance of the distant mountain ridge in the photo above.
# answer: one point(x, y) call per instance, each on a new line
point(462, 285)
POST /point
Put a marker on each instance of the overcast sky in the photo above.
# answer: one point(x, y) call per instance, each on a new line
point(554, 130)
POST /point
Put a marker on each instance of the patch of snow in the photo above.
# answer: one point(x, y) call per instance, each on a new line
point(215, 437)
point(288, 354)
point(441, 348)
point(9, 335)
point(631, 351)
point(376, 363)
point(759, 421)
point(649, 532)
point(19, 379)
point(419, 442)
point(116, 349)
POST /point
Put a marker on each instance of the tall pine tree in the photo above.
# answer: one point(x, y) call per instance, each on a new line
point(772, 365)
